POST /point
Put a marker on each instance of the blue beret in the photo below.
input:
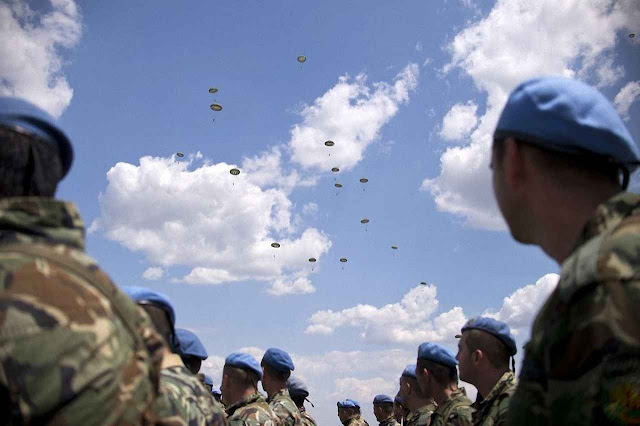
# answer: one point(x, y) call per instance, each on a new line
point(355, 403)
point(398, 399)
point(498, 328)
point(278, 359)
point(190, 345)
point(297, 388)
point(437, 354)
point(244, 361)
point(143, 296)
point(16, 112)
point(216, 392)
point(410, 371)
point(566, 115)
point(348, 403)
point(382, 399)
point(208, 380)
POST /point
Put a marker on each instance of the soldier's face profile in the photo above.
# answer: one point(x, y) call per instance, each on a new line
point(463, 358)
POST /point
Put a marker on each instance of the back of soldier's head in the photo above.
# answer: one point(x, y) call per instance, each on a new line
point(241, 377)
point(496, 352)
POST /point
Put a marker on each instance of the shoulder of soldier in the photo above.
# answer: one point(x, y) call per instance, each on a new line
point(307, 420)
point(257, 411)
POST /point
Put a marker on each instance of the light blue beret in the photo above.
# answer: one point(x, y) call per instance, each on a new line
point(566, 115)
point(436, 353)
point(348, 403)
point(216, 392)
point(497, 328)
point(382, 399)
point(19, 113)
point(297, 388)
point(410, 371)
point(142, 295)
point(278, 360)
point(244, 361)
point(208, 380)
point(190, 345)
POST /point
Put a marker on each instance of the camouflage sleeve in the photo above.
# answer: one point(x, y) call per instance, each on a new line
point(462, 416)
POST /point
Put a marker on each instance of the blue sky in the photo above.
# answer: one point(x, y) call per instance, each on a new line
point(409, 93)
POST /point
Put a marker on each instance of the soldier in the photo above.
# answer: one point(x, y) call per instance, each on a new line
point(421, 405)
point(484, 350)
point(383, 410)
point(438, 377)
point(349, 413)
point(192, 351)
point(245, 405)
point(399, 412)
point(299, 393)
point(276, 369)
point(74, 349)
point(185, 399)
point(558, 153)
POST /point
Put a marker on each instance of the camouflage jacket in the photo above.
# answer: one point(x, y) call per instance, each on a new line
point(306, 418)
point(454, 411)
point(252, 411)
point(186, 400)
point(356, 421)
point(284, 407)
point(422, 416)
point(582, 364)
point(493, 409)
point(74, 349)
point(391, 421)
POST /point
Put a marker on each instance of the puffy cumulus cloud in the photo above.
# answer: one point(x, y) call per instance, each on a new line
point(30, 43)
point(459, 121)
point(519, 309)
point(364, 390)
point(213, 366)
point(405, 322)
point(153, 273)
point(266, 170)
point(351, 114)
point(195, 213)
point(627, 96)
point(310, 208)
point(520, 39)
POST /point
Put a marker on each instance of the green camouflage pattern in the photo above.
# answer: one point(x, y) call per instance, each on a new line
point(74, 349)
point(454, 411)
point(184, 400)
point(582, 364)
point(356, 421)
point(252, 411)
point(493, 410)
point(390, 421)
point(306, 418)
point(284, 407)
point(422, 416)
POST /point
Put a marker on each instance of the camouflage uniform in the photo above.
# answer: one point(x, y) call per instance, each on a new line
point(356, 421)
point(391, 421)
point(582, 365)
point(421, 417)
point(493, 409)
point(454, 411)
point(186, 400)
point(284, 407)
point(252, 411)
point(306, 418)
point(74, 349)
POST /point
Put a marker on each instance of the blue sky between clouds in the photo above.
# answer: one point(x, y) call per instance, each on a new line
point(408, 92)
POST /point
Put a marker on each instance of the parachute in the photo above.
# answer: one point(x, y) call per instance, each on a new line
point(364, 180)
point(423, 283)
point(234, 172)
point(213, 90)
point(365, 220)
point(329, 143)
point(302, 59)
point(343, 259)
point(312, 259)
point(216, 107)
point(179, 154)
point(335, 170)
point(394, 247)
point(632, 35)
point(337, 185)
point(275, 245)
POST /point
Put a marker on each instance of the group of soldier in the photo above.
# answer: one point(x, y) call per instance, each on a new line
point(77, 349)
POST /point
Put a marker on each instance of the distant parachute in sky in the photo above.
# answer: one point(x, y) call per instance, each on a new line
point(343, 259)
point(216, 107)
point(179, 154)
point(335, 170)
point(365, 220)
point(312, 259)
point(275, 245)
point(329, 143)
point(302, 59)
point(423, 283)
point(632, 35)
point(213, 90)
point(394, 247)
point(234, 172)
point(364, 180)
point(337, 185)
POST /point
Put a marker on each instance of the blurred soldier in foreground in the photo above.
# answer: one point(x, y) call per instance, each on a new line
point(383, 410)
point(438, 377)
point(74, 349)
point(421, 405)
point(192, 351)
point(245, 405)
point(484, 350)
point(399, 411)
point(184, 400)
point(349, 413)
point(299, 393)
point(559, 151)
point(276, 369)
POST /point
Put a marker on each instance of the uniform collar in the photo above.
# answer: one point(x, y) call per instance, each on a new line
point(246, 401)
point(284, 392)
point(499, 387)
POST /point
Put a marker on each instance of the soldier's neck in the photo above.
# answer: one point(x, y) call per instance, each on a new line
point(440, 395)
point(169, 359)
point(488, 381)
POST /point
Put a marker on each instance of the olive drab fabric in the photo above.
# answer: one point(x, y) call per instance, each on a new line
point(74, 348)
point(422, 416)
point(454, 411)
point(582, 364)
point(306, 418)
point(252, 411)
point(284, 407)
point(492, 410)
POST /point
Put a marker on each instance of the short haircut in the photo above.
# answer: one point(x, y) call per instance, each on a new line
point(442, 374)
point(279, 375)
point(496, 352)
point(160, 321)
point(29, 166)
point(242, 377)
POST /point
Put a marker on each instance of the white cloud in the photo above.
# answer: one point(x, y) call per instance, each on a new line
point(419, 47)
point(459, 121)
point(30, 42)
point(153, 273)
point(310, 208)
point(627, 96)
point(194, 213)
point(351, 114)
point(520, 39)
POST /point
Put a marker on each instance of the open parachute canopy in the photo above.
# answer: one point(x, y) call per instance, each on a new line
point(234, 172)
point(364, 180)
point(275, 245)
point(302, 59)
point(213, 90)
point(216, 107)
point(423, 283)
point(337, 185)
point(329, 143)
point(312, 259)
point(179, 154)
point(335, 170)
point(365, 220)
point(343, 259)
point(394, 247)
